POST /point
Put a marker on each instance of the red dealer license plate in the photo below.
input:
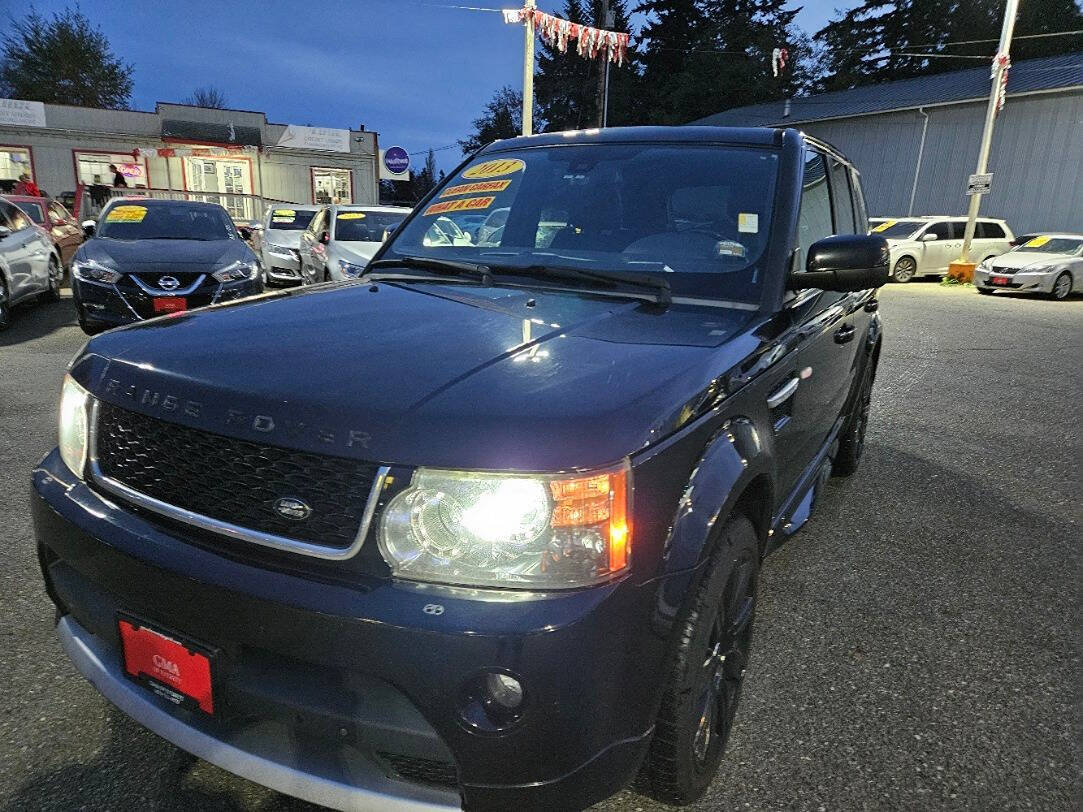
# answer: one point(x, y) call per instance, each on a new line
point(1001, 280)
point(170, 304)
point(176, 671)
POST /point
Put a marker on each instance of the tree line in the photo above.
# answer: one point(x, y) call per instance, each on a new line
point(692, 58)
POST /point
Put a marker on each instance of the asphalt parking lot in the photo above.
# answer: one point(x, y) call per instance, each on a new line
point(917, 642)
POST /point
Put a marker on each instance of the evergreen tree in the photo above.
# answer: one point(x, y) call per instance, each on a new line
point(503, 118)
point(673, 30)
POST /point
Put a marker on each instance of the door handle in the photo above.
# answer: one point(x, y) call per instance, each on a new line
point(783, 393)
point(845, 334)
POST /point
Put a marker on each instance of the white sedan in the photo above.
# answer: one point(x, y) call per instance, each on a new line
point(1047, 263)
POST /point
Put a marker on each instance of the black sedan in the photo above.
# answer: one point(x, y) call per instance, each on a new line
point(148, 258)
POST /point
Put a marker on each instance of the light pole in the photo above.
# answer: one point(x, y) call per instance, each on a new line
point(999, 66)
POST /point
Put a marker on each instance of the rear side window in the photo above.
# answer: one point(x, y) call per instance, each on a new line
point(814, 222)
point(989, 231)
point(842, 198)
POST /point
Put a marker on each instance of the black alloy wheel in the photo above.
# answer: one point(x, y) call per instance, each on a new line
point(707, 674)
point(852, 439)
point(56, 278)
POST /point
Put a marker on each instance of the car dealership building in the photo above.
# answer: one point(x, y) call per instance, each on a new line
point(915, 141)
point(234, 156)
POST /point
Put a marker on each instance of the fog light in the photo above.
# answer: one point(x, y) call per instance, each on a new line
point(505, 691)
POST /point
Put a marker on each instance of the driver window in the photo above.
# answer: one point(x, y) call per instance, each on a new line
point(814, 222)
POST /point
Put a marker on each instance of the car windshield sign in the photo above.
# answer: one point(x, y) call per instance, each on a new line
point(285, 219)
point(698, 217)
point(365, 226)
point(135, 221)
point(897, 229)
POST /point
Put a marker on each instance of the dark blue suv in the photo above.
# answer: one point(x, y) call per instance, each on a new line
point(483, 527)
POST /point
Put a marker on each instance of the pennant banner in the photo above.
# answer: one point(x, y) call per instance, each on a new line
point(779, 58)
point(1004, 62)
point(591, 42)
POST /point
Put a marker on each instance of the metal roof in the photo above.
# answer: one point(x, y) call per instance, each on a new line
point(1048, 73)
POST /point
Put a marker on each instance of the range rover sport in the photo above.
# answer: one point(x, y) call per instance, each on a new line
point(485, 528)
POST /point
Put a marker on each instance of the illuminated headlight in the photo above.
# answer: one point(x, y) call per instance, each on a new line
point(72, 435)
point(89, 270)
point(239, 270)
point(509, 530)
point(351, 268)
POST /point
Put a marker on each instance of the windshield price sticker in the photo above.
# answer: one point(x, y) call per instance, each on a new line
point(476, 188)
point(884, 226)
point(465, 204)
point(748, 223)
point(351, 215)
point(126, 214)
point(1037, 242)
point(494, 169)
point(283, 213)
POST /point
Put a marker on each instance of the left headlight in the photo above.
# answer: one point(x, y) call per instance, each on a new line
point(239, 270)
point(509, 530)
point(88, 269)
point(74, 420)
point(351, 268)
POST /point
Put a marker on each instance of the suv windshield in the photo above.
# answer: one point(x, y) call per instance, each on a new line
point(165, 221)
point(290, 219)
point(1051, 245)
point(897, 229)
point(366, 226)
point(698, 216)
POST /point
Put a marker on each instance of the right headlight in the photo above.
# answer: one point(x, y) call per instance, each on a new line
point(534, 531)
point(73, 425)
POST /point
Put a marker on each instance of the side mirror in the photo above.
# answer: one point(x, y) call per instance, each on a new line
point(929, 237)
point(88, 228)
point(847, 262)
point(325, 238)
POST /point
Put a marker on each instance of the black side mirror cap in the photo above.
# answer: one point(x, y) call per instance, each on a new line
point(845, 263)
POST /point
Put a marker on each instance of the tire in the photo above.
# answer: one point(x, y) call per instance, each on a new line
point(5, 305)
point(1062, 286)
point(703, 686)
point(56, 278)
point(905, 270)
point(852, 438)
point(90, 328)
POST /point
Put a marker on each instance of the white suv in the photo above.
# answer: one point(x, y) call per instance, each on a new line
point(923, 246)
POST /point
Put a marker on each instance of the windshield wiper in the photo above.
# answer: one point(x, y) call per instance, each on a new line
point(482, 272)
point(661, 286)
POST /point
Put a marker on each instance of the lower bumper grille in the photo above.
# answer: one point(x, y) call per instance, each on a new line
point(422, 770)
point(258, 487)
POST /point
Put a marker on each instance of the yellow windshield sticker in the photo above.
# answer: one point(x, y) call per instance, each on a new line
point(1037, 242)
point(884, 226)
point(464, 204)
point(351, 215)
point(494, 169)
point(476, 188)
point(126, 214)
point(283, 213)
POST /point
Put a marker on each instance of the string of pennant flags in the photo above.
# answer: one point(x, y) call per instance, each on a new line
point(591, 42)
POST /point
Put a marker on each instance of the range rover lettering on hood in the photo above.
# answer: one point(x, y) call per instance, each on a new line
point(223, 415)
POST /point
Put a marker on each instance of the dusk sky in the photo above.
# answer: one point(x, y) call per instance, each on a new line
point(416, 71)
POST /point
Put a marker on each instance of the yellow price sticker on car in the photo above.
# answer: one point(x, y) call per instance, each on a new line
point(283, 213)
point(463, 204)
point(126, 214)
point(476, 188)
point(1037, 242)
point(884, 226)
point(494, 168)
point(351, 215)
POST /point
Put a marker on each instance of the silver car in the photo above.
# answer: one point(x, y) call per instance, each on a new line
point(341, 239)
point(29, 262)
point(1046, 263)
point(283, 226)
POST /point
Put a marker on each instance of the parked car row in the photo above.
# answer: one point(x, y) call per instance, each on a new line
point(30, 261)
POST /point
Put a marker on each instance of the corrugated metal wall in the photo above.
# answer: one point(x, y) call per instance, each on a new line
point(1036, 158)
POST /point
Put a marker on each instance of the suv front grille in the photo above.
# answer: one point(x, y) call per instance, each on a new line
point(233, 480)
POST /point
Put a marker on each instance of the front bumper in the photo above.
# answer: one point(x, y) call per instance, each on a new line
point(341, 694)
point(108, 304)
point(1021, 282)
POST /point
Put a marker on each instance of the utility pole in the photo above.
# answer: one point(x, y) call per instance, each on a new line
point(601, 97)
point(999, 67)
point(528, 70)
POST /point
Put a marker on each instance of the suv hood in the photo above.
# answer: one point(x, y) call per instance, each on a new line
point(183, 255)
point(427, 374)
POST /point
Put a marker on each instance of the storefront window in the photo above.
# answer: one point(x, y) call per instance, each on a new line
point(331, 186)
point(93, 167)
point(14, 161)
point(227, 180)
